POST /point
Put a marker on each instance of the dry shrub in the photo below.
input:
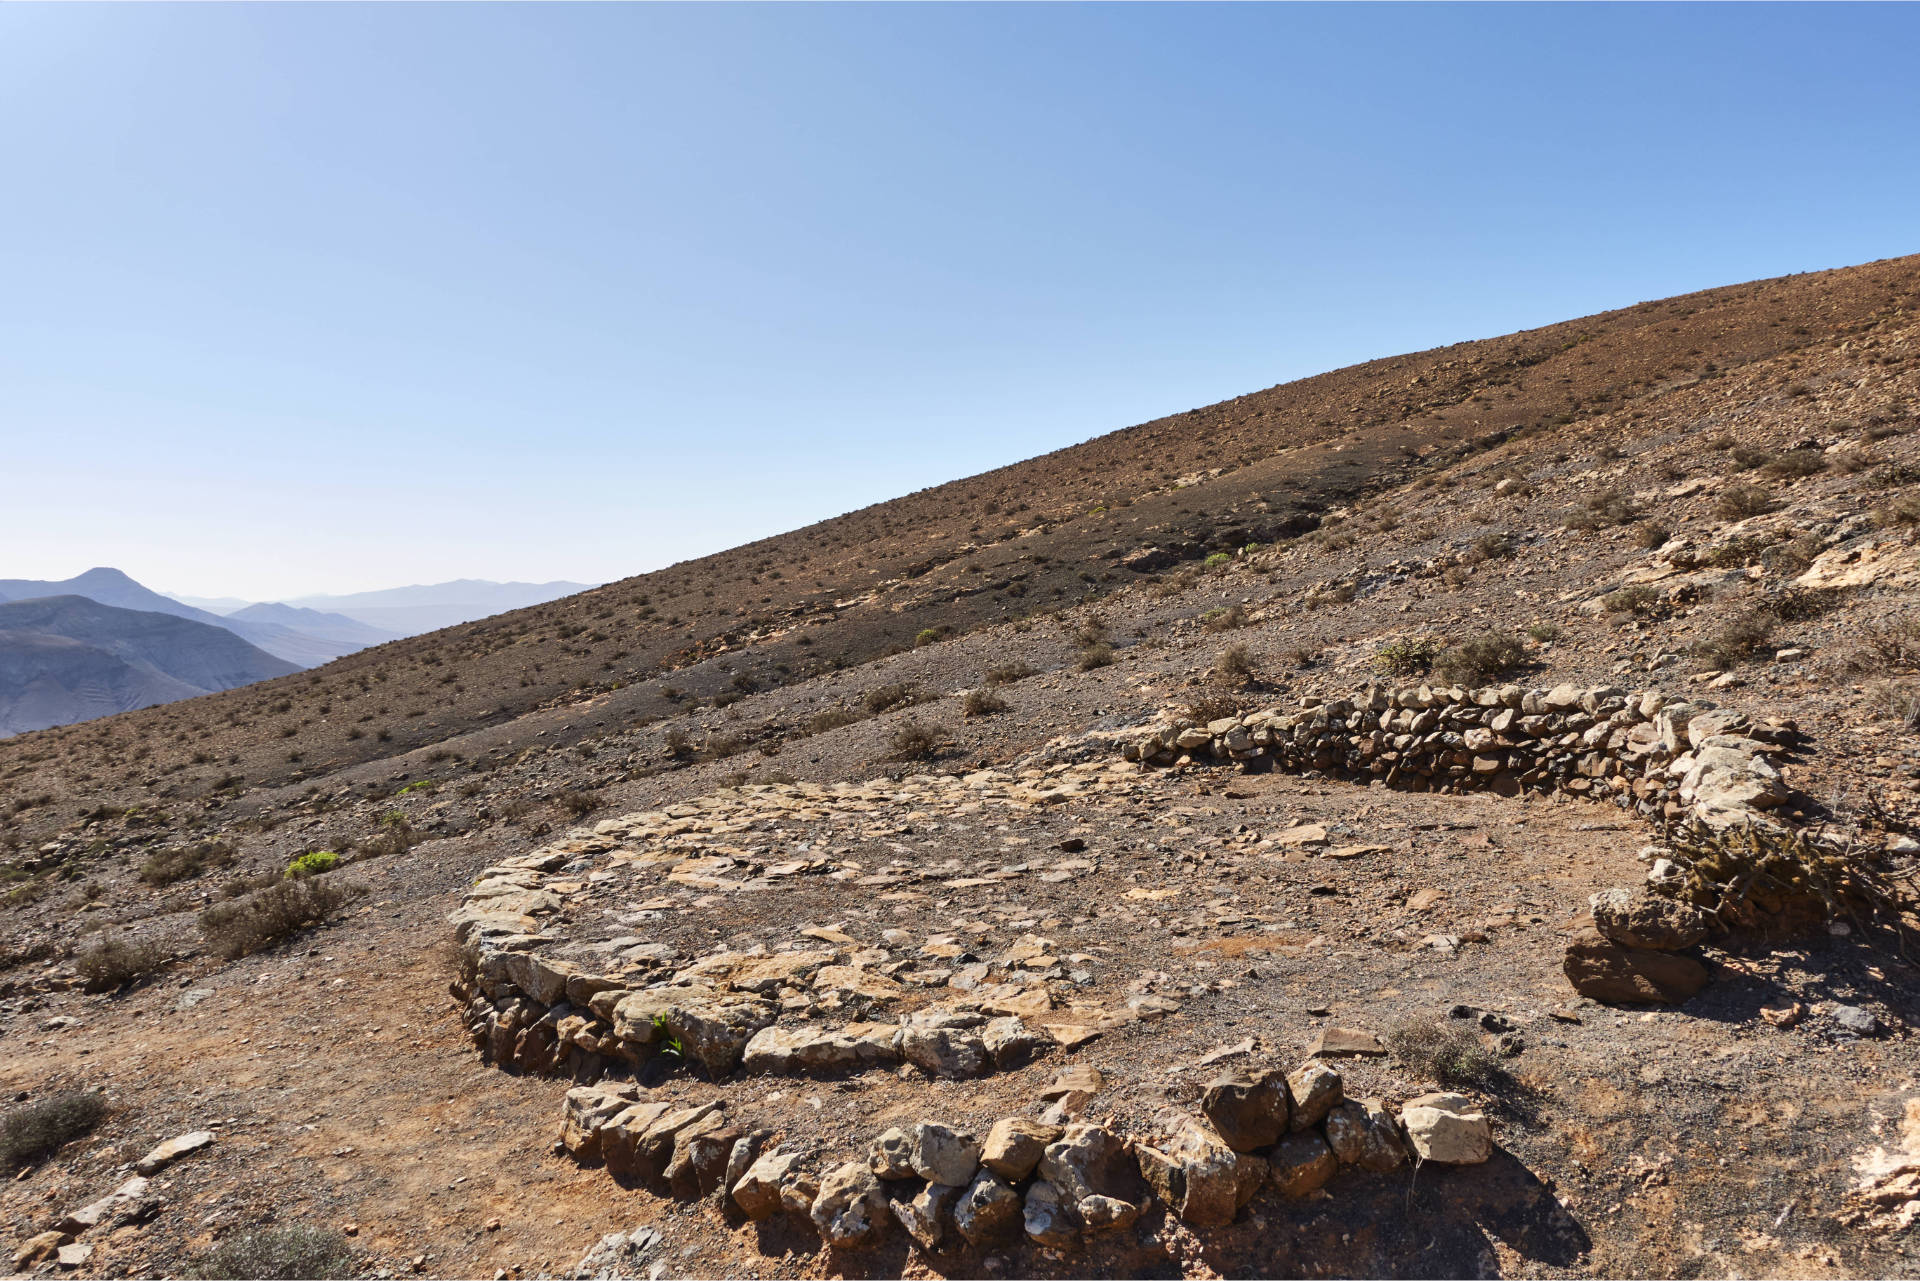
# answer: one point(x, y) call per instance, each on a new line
point(286, 1252)
point(1739, 640)
point(1453, 1057)
point(981, 702)
point(266, 916)
point(1651, 535)
point(1224, 620)
point(1891, 644)
point(1796, 463)
point(183, 862)
point(1211, 707)
point(1008, 673)
point(1637, 599)
point(1900, 701)
point(1234, 663)
point(1408, 656)
point(114, 963)
point(1093, 656)
point(913, 741)
point(1480, 659)
point(1904, 509)
point(1798, 604)
point(1601, 510)
point(40, 1128)
point(831, 718)
point(1737, 502)
point(579, 803)
point(885, 698)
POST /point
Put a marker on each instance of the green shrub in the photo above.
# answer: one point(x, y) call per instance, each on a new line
point(1739, 640)
point(263, 917)
point(1224, 620)
point(40, 1128)
point(316, 863)
point(932, 636)
point(183, 862)
point(1409, 656)
point(287, 1252)
point(1216, 560)
point(1480, 659)
point(1544, 632)
point(114, 963)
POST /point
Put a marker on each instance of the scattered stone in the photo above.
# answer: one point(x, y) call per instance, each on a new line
point(1784, 1016)
point(172, 1150)
point(128, 1203)
point(1334, 1042)
point(1855, 1021)
point(1447, 1128)
point(945, 1052)
point(760, 1192)
point(1012, 1042)
point(1090, 1163)
point(617, 1255)
point(73, 1256)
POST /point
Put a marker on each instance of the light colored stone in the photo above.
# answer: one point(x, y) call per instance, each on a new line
point(1012, 1042)
point(1048, 1220)
point(849, 1205)
point(1091, 1161)
point(988, 1211)
point(1361, 1133)
point(1335, 1042)
point(172, 1150)
point(1639, 919)
point(1015, 1145)
point(939, 1154)
point(1199, 1177)
point(1316, 1090)
point(890, 1155)
point(785, 1050)
point(928, 1214)
point(759, 1193)
point(946, 1052)
point(1447, 1128)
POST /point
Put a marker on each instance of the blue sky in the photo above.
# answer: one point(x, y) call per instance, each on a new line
point(335, 297)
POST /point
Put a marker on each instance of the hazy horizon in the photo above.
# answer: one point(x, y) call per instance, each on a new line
point(308, 299)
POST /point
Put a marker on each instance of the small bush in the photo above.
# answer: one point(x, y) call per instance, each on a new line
point(1093, 656)
point(1796, 463)
point(1491, 547)
point(1224, 620)
point(40, 1128)
point(1544, 632)
point(913, 741)
point(1211, 707)
point(981, 702)
point(1900, 701)
point(1748, 458)
point(113, 964)
point(1798, 604)
point(1601, 510)
point(1480, 659)
point(832, 718)
point(1331, 596)
point(1234, 663)
point(885, 698)
point(1637, 599)
point(183, 862)
point(1216, 560)
point(1902, 510)
point(1651, 535)
point(579, 803)
point(1737, 502)
point(1008, 673)
point(1409, 656)
point(1893, 644)
point(1453, 1057)
point(1739, 640)
point(316, 863)
point(266, 916)
point(1735, 552)
point(288, 1252)
point(931, 636)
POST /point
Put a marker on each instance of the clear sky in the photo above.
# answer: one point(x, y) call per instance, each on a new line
point(337, 297)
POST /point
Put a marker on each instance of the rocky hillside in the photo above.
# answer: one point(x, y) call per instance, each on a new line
point(1270, 734)
point(65, 659)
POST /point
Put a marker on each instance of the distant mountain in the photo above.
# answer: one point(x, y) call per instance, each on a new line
point(221, 605)
point(408, 611)
point(68, 658)
point(111, 587)
point(312, 622)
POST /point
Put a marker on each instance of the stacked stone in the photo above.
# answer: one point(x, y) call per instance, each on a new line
point(1054, 1184)
point(1660, 756)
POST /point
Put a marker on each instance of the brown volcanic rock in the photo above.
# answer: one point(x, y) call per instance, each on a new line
point(1602, 969)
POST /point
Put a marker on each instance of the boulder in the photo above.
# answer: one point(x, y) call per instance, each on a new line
point(1090, 1163)
point(1345, 1042)
point(1447, 1128)
point(889, 1155)
point(946, 1052)
point(586, 1111)
point(1015, 1145)
point(1012, 1042)
point(1362, 1133)
point(1048, 1220)
point(1302, 1163)
point(928, 1214)
point(1249, 1109)
point(819, 1051)
point(1638, 919)
point(942, 1155)
point(131, 1202)
point(1199, 1177)
point(700, 1156)
point(639, 1149)
point(172, 1150)
point(849, 1207)
point(1605, 971)
point(1316, 1090)
point(763, 1191)
point(988, 1211)
point(716, 1035)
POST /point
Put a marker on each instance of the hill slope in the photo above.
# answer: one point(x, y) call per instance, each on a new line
point(66, 658)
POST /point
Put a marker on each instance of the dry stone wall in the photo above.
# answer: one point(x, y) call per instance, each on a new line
point(1665, 757)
